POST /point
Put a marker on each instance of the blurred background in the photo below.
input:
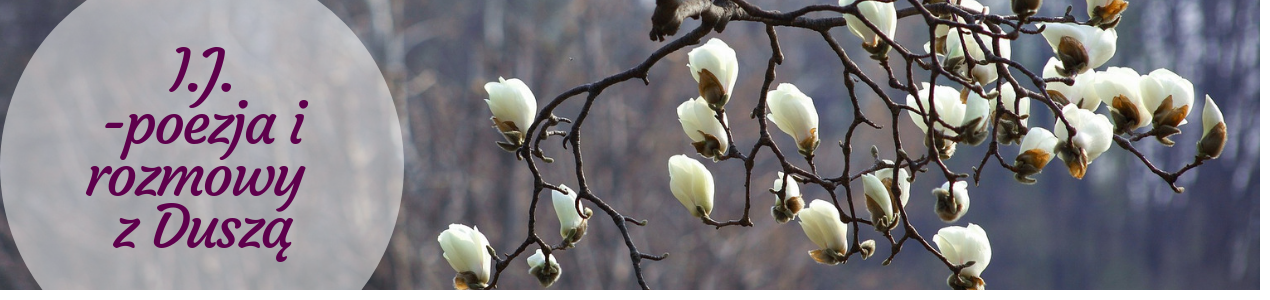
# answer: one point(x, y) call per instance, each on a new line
point(1119, 228)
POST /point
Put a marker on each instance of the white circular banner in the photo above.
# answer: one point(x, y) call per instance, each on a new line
point(201, 145)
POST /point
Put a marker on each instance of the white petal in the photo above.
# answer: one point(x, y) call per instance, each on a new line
point(1123, 82)
point(511, 100)
point(791, 186)
point(566, 211)
point(1162, 83)
point(1212, 115)
point(876, 191)
point(691, 183)
point(1038, 138)
point(947, 104)
point(717, 57)
point(821, 224)
point(792, 111)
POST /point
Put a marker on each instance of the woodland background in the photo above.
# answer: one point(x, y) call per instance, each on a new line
point(1120, 228)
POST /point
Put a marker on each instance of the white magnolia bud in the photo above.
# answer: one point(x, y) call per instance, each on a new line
point(878, 202)
point(715, 68)
point(947, 105)
point(1013, 125)
point(1080, 93)
point(787, 207)
point(961, 245)
point(1105, 13)
point(1036, 151)
point(513, 106)
point(951, 203)
point(468, 252)
point(1214, 139)
point(708, 135)
point(977, 118)
point(1079, 47)
point(692, 184)
point(983, 73)
point(1093, 137)
point(795, 114)
point(544, 268)
point(881, 15)
point(1168, 96)
point(941, 31)
point(1121, 90)
point(572, 225)
point(821, 224)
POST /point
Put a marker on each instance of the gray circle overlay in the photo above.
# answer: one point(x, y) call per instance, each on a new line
point(110, 59)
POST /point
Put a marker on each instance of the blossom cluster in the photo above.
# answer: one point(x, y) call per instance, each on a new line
point(986, 107)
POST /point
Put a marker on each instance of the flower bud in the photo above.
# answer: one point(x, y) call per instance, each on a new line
point(951, 204)
point(513, 106)
point(715, 68)
point(982, 73)
point(468, 252)
point(544, 268)
point(962, 245)
point(789, 200)
point(709, 136)
point(821, 224)
point(881, 15)
point(1025, 8)
point(573, 216)
point(1081, 92)
point(795, 114)
point(1079, 47)
point(1105, 13)
point(1013, 125)
point(1036, 151)
point(1121, 90)
point(867, 248)
point(1170, 98)
point(949, 108)
point(1093, 137)
point(1214, 140)
point(692, 184)
point(977, 118)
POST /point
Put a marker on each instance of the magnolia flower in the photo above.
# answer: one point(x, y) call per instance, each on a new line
point(708, 135)
point(982, 72)
point(1079, 47)
point(977, 118)
point(513, 106)
point(1169, 97)
point(948, 106)
point(1214, 139)
point(1105, 13)
point(789, 200)
point(795, 114)
point(883, 204)
point(714, 66)
point(1036, 151)
point(1121, 90)
point(468, 252)
point(941, 31)
point(692, 184)
point(1013, 125)
point(544, 268)
point(881, 15)
point(821, 224)
point(951, 204)
point(1081, 92)
point(962, 245)
point(1093, 137)
point(572, 214)
point(1025, 8)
